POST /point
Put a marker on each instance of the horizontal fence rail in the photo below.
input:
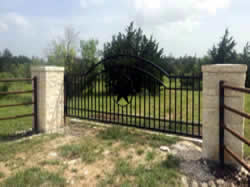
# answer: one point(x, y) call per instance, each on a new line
point(14, 105)
point(34, 102)
point(16, 92)
point(17, 116)
point(137, 97)
point(15, 80)
point(224, 127)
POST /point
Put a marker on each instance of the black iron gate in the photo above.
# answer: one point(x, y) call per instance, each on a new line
point(132, 91)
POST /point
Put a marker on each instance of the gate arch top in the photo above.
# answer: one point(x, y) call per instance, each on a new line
point(115, 57)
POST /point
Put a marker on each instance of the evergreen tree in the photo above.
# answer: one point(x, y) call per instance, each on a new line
point(224, 52)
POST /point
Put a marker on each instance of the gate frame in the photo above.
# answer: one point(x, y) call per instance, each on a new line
point(76, 78)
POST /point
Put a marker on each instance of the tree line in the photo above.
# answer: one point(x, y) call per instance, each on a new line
point(77, 56)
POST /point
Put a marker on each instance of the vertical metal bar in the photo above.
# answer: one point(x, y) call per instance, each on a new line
point(65, 98)
point(193, 104)
point(95, 97)
point(135, 110)
point(144, 91)
point(110, 111)
point(154, 102)
point(186, 107)
point(70, 95)
point(81, 96)
point(175, 102)
point(170, 93)
point(149, 104)
point(99, 114)
point(35, 105)
point(127, 105)
point(126, 114)
point(164, 107)
point(75, 95)
point(131, 108)
point(102, 97)
point(140, 108)
point(106, 102)
point(181, 104)
point(221, 117)
point(159, 105)
point(114, 103)
point(84, 96)
point(88, 86)
point(78, 96)
point(199, 99)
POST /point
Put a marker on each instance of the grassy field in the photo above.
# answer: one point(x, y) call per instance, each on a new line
point(98, 156)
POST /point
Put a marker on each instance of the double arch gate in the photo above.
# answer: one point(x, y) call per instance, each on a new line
point(132, 91)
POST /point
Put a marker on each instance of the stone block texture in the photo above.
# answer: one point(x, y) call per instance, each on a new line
point(50, 83)
point(231, 74)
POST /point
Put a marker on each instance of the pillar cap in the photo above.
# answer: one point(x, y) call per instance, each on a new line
point(227, 68)
point(46, 69)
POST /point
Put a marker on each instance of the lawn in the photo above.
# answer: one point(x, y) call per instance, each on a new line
point(99, 156)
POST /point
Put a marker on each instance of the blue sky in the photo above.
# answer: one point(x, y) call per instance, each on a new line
point(182, 27)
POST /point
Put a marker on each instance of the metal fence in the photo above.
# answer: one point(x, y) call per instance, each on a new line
point(140, 95)
point(224, 126)
point(34, 102)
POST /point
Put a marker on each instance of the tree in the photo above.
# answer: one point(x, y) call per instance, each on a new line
point(63, 50)
point(7, 53)
point(134, 42)
point(224, 52)
point(244, 58)
point(89, 52)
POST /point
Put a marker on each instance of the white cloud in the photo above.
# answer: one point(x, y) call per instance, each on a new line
point(158, 12)
point(17, 19)
point(12, 19)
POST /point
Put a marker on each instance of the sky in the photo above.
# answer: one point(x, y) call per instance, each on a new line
point(182, 27)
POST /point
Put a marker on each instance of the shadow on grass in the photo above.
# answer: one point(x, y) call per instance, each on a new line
point(14, 137)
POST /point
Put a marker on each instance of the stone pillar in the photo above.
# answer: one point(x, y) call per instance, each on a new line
point(50, 85)
point(232, 74)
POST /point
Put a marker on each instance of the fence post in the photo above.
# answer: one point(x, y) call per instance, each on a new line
point(221, 124)
point(49, 98)
point(233, 74)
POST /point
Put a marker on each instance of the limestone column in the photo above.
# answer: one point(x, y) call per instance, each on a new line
point(50, 84)
point(232, 74)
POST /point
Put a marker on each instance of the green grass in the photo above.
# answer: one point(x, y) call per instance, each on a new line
point(9, 149)
point(139, 151)
point(150, 156)
point(131, 136)
point(164, 173)
point(87, 150)
point(50, 162)
point(1, 175)
point(34, 177)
